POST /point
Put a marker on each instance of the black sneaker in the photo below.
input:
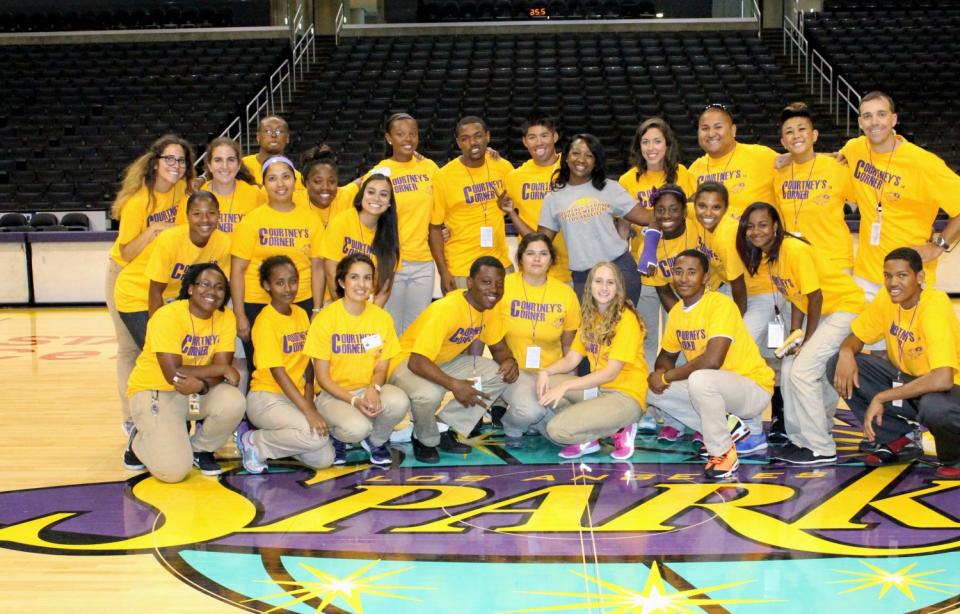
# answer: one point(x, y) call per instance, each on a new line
point(450, 443)
point(339, 452)
point(130, 460)
point(868, 447)
point(901, 450)
point(207, 465)
point(424, 453)
point(796, 455)
point(379, 455)
point(497, 412)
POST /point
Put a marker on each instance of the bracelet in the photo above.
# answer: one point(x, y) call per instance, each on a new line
point(663, 378)
point(378, 388)
point(206, 387)
point(352, 404)
point(315, 310)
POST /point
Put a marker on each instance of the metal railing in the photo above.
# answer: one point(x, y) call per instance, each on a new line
point(759, 17)
point(847, 94)
point(795, 46)
point(259, 104)
point(821, 68)
point(233, 131)
point(304, 54)
point(338, 22)
point(278, 78)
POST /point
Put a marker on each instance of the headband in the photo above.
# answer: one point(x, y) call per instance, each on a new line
point(668, 189)
point(273, 160)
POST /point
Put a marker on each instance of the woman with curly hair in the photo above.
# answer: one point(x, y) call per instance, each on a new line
point(610, 399)
point(146, 205)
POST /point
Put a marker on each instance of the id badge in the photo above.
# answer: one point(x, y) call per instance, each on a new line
point(875, 233)
point(591, 393)
point(371, 342)
point(533, 357)
point(775, 334)
point(486, 236)
point(193, 406)
point(477, 383)
point(899, 402)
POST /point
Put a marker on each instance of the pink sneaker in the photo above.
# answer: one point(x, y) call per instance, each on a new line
point(576, 450)
point(623, 442)
point(669, 434)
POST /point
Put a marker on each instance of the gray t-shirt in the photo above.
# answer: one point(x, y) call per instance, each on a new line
point(585, 217)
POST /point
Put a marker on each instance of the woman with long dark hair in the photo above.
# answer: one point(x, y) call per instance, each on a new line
point(828, 300)
point(369, 228)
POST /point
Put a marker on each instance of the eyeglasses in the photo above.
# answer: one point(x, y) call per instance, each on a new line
point(274, 132)
point(172, 160)
point(206, 285)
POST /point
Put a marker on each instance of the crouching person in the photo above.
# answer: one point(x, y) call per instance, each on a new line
point(918, 381)
point(434, 359)
point(724, 373)
point(185, 373)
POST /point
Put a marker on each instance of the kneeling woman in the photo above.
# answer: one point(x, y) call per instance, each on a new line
point(280, 402)
point(183, 374)
point(610, 399)
point(351, 342)
point(541, 317)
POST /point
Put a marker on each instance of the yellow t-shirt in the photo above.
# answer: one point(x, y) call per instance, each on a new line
point(720, 246)
point(174, 330)
point(278, 341)
point(172, 253)
point(137, 214)
point(465, 199)
point(447, 327)
point(345, 235)
point(627, 347)
point(256, 170)
point(689, 329)
point(810, 198)
point(527, 186)
point(342, 201)
point(667, 250)
point(801, 269)
point(930, 332)
point(642, 189)
point(747, 172)
point(266, 232)
point(913, 184)
point(244, 199)
point(413, 190)
point(538, 316)
point(353, 345)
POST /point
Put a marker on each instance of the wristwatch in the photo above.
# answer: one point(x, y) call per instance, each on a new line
point(938, 240)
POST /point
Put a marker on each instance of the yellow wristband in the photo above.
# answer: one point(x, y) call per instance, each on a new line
point(663, 378)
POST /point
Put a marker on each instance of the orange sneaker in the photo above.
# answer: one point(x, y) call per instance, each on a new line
point(722, 467)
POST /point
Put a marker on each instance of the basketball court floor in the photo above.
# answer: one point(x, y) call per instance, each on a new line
point(494, 531)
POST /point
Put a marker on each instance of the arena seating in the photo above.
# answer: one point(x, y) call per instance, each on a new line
point(133, 18)
point(76, 115)
point(908, 50)
point(600, 83)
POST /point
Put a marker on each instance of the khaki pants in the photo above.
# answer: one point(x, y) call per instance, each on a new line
point(412, 292)
point(127, 350)
point(580, 421)
point(283, 431)
point(523, 410)
point(425, 396)
point(704, 399)
point(809, 399)
point(162, 443)
point(349, 425)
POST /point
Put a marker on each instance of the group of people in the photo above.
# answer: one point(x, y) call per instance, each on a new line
point(674, 299)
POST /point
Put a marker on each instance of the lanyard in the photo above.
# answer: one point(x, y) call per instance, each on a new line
point(796, 209)
point(470, 314)
point(193, 331)
point(727, 165)
point(473, 182)
point(901, 336)
point(883, 180)
point(543, 298)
